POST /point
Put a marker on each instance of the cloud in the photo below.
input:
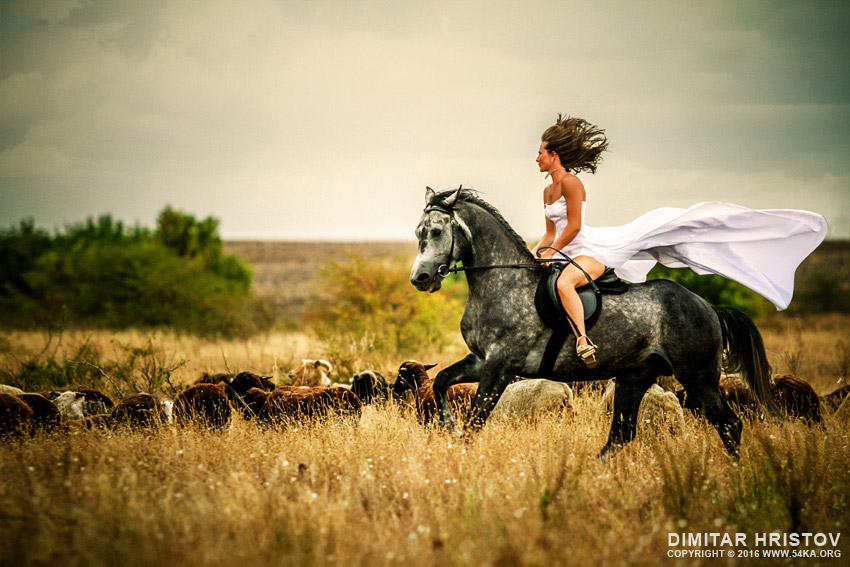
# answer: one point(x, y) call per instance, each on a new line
point(327, 119)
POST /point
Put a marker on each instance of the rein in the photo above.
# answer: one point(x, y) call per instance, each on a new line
point(444, 270)
point(556, 340)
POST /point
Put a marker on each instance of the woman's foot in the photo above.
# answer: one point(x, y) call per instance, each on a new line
point(586, 351)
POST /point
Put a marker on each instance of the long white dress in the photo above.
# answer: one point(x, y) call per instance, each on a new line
point(760, 249)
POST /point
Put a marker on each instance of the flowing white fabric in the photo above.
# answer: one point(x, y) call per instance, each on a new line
point(760, 249)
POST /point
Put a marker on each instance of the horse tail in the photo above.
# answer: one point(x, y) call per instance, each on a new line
point(743, 351)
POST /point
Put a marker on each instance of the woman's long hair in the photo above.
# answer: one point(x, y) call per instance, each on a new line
point(577, 142)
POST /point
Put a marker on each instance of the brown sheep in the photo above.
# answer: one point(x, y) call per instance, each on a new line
point(737, 393)
point(342, 400)
point(214, 379)
point(293, 403)
point(139, 410)
point(413, 376)
point(223, 380)
point(834, 398)
point(795, 396)
point(45, 414)
point(370, 387)
point(253, 402)
point(202, 404)
point(15, 416)
point(237, 393)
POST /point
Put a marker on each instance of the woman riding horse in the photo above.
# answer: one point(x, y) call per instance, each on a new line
point(655, 329)
point(759, 249)
point(570, 146)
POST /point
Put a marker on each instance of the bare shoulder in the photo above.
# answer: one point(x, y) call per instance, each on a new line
point(570, 186)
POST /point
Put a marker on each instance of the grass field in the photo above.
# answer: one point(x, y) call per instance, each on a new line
point(389, 491)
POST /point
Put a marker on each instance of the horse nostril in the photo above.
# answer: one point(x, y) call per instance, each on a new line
point(422, 278)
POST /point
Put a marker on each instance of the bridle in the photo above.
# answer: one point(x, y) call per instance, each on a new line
point(445, 270)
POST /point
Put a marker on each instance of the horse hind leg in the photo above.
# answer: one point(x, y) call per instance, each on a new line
point(710, 402)
point(628, 393)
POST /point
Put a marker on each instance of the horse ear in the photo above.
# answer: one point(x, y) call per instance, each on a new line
point(430, 366)
point(452, 199)
point(429, 194)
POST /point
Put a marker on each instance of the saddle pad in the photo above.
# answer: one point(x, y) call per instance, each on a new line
point(548, 303)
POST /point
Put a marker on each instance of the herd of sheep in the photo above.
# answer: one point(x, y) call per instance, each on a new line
point(210, 402)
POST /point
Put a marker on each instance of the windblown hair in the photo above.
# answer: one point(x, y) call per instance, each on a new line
point(577, 142)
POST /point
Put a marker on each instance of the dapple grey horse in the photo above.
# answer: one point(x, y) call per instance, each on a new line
point(655, 328)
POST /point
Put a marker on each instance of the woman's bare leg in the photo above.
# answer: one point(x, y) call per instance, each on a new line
point(571, 279)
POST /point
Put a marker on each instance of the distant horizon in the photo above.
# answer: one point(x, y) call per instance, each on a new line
point(305, 240)
point(389, 241)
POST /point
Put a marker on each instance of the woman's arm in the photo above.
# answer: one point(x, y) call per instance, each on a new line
point(548, 237)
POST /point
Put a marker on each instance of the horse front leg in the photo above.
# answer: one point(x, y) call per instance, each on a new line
point(464, 370)
point(490, 388)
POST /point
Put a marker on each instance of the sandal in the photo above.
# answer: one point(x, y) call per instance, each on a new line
point(587, 353)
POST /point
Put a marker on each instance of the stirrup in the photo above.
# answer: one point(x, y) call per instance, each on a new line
point(587, 353)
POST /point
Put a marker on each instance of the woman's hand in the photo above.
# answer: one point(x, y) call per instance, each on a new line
point(546, 255)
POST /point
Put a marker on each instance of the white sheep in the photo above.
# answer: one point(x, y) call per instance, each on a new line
point(168, 407)
point(71, 404)
point(533, 398)
point(657, 408)
point(312, 373)
point(6, 389)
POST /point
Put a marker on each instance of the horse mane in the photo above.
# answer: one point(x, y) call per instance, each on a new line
point(472, 196)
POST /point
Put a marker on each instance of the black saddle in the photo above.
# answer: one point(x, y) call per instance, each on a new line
point(551, 311)
point(548, 302)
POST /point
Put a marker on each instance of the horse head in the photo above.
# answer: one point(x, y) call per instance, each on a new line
point(440, 247)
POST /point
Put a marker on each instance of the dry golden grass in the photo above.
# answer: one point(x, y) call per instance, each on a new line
point(285, 273)
point(273, 354)
point(816, 348)
point(387, 491)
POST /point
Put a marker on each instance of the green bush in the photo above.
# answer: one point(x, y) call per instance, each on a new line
point(717, 290)
point(825, 290)
point(369, 309)
point(98, 273)
point(129, 370)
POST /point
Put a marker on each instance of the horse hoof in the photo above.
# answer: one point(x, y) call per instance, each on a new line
point(607, 452)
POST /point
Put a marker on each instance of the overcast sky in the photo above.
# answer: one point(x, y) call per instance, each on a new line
point(315, 120)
